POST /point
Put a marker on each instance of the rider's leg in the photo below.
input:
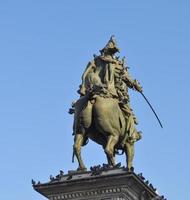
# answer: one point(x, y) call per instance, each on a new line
point(79, 139)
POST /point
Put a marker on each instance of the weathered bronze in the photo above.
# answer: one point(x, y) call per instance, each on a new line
point(103, 112)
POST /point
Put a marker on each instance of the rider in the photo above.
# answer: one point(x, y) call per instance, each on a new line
point(107, 76)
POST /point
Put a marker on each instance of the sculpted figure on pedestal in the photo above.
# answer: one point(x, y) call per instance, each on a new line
point(103, 112)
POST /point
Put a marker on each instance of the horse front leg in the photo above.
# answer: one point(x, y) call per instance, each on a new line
point(129, 151)
point(78, 142)
point(109, 150)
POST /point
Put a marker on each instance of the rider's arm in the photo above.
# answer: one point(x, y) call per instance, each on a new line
point(134, 84)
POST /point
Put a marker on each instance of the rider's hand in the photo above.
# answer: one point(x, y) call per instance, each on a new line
point(137, 86)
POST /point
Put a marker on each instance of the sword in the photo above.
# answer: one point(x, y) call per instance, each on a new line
point(152, 109)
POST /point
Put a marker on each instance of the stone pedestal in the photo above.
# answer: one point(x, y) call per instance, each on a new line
point(113, 184)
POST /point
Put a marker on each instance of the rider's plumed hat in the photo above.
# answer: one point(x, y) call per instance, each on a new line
point(111, 46)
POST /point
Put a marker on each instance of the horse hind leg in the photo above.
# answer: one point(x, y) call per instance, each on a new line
point(107, 155)
point(109, 150)
point(79, 139)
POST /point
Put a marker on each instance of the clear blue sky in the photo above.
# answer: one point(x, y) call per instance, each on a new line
point(44, 48)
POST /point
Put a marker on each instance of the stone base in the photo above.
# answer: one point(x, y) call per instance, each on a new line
point(113, 184)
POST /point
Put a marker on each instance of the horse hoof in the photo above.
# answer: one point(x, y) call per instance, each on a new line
point(130, 169)
point(83, 169)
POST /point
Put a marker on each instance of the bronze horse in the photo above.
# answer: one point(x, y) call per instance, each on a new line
point(103, 113)
point(101, 120)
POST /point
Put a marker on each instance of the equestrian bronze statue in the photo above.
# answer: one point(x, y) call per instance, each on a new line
point(103, 112)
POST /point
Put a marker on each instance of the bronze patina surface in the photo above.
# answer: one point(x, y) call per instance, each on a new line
point(103, 112)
